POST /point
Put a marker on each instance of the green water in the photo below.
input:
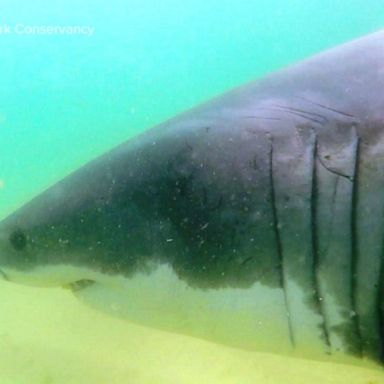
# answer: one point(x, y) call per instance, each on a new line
point(66, 99)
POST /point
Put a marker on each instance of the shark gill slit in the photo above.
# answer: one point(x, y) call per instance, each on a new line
point(315, 249)
point(354, 248)
point(275, 226)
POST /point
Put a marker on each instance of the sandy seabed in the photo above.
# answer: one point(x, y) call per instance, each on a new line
point(48, 337)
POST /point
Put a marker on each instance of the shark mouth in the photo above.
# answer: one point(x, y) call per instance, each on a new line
point(79, 285)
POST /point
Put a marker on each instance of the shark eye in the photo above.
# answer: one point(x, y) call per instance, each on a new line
point(18, 240)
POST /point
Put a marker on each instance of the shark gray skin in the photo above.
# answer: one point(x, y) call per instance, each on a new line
point(254, 220)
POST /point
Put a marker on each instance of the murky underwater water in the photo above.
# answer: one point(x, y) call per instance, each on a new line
point(67, 98)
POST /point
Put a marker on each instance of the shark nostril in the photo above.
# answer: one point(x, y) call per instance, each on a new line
point(18, 240)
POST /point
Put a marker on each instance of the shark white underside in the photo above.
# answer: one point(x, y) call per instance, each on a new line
point(249, 318)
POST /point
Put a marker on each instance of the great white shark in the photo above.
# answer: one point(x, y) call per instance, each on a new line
point(255, 220)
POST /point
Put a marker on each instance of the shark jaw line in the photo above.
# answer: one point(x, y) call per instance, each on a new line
point(67, 276)
point(51, 276)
